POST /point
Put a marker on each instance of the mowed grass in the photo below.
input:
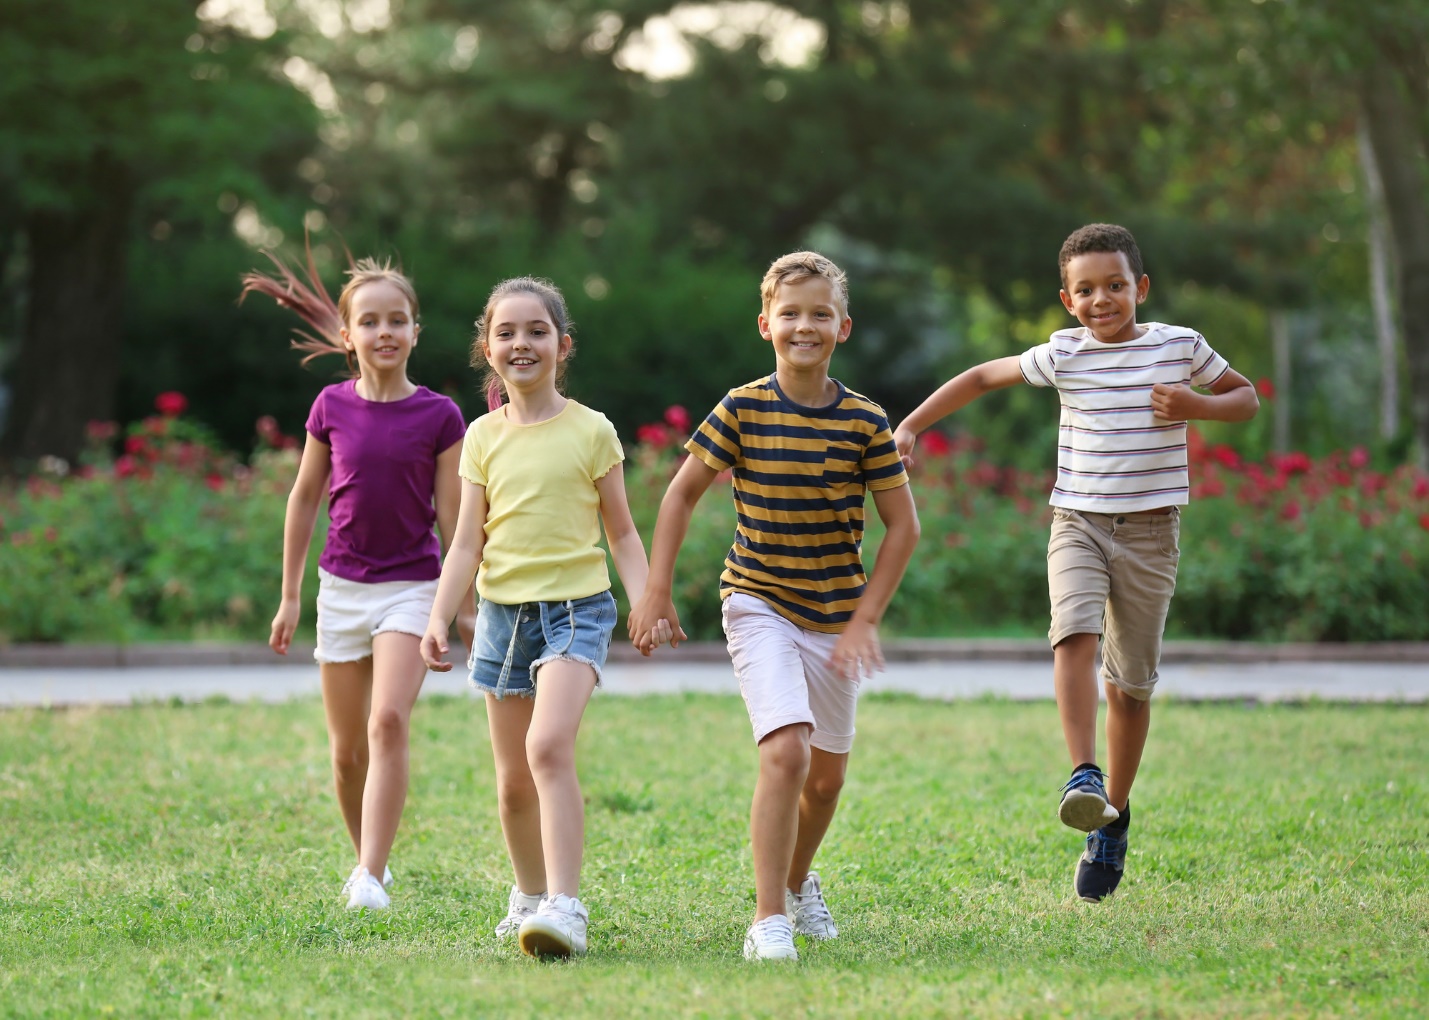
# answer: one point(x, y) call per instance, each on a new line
point(185, 861)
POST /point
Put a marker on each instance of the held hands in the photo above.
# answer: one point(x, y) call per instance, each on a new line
point(1174, 402)
point(283, 626)
point(652, 623)
point(858, 653)
point(905, 440)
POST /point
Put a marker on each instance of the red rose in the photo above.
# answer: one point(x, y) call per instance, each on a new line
point(1265, 388)
point(171, 403)
point(677, 418)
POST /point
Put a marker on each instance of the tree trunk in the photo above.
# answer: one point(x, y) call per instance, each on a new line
point(1381, 293)
point(66, 371)
point(1393, 135)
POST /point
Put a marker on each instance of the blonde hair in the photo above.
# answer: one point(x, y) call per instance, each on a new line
point(550, 297)
point(799, 266)
point(310, 300)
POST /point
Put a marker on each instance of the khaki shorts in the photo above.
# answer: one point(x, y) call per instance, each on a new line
point(1114, 574)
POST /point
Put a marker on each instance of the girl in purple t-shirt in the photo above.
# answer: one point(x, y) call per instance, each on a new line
point(384, 451)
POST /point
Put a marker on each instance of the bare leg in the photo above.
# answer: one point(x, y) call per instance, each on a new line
point(774, 815)
point(1127, 723)
point(397, 675)
point(347, 695)
point(1074, 678)
point(563, 689)
point(509, 719)
point(817, 803)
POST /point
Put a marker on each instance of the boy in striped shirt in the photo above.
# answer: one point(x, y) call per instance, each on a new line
point(1127, 390)
point(799, 613)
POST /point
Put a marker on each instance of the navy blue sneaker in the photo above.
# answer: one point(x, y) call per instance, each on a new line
point(1101, 865)
point(1084, 803)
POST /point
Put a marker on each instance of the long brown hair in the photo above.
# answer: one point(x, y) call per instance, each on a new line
point(550, 297)
point(311, 301)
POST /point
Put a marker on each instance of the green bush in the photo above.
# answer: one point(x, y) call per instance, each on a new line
point(175, 541)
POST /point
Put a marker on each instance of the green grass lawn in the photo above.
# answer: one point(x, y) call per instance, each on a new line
point(185, 861)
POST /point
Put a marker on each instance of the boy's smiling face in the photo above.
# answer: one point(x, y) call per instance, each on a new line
point(1101, 292)
point(805, 321)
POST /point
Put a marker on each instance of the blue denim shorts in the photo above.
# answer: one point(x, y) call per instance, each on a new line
point(513, 642)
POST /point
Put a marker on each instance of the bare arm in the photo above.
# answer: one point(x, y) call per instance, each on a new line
point(686, 488)
point(858, 647)
point(298, 523)
point(1232, 398)
point(458, 571)
point(447, 496)
point(957, 392)
point(626, 549)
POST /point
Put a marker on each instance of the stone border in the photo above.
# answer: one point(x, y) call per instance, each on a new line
point(201, 654)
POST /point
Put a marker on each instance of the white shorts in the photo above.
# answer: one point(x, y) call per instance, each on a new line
point(351, 614)
point(785, 676)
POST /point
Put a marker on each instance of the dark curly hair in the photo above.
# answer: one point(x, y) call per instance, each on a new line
point(1099, 237)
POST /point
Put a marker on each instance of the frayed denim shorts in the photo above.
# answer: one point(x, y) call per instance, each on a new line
point(514, 642)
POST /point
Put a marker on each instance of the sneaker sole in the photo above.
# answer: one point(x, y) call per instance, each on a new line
point(757, 958)
point(1086, 811)
point(537, 940)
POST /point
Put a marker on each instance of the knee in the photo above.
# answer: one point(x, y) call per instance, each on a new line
point(1122, 703)
point(386, 728)
point(825, 788)
point(516, 791)
point(784, 754)
point(547, 754)
point(349, 763)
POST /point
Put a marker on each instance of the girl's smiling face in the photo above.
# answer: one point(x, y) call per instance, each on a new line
point(1102, 293)
point(522, 344)
point(381, 330)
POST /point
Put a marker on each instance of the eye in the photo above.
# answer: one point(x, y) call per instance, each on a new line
point(1117, 286)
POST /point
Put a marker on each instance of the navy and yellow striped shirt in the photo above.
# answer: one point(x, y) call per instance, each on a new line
point(799, 479)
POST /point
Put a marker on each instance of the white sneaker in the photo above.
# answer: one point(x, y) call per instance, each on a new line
point(809, 911)
point(387, 879)
point(366, 891)
point(770, 939)
point(557, 928)
point(518, 908)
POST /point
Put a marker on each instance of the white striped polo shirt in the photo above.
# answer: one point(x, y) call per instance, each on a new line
point(1113, 454)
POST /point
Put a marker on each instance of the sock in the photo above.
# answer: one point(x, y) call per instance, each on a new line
point(1086, 765)
point(1122, 823)
point(531, 900)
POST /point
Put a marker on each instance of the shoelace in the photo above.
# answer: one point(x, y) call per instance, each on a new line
point(812, 907)
point(1107, 848)
point(1082, 776)
point(771, 932)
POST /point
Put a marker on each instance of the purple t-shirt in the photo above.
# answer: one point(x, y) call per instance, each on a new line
point(384, 464)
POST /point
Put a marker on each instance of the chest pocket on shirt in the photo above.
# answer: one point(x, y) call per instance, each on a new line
point(841, 465)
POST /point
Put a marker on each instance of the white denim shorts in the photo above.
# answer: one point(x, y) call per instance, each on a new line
point(785, 676)
point(351, 614)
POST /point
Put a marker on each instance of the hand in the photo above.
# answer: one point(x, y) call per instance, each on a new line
point(858, 653)
point(1174, 402)
point(434, 646)
point(653, 622)
point(905, 440)
point(283, 626)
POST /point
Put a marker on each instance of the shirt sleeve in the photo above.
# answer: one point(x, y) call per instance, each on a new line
point(471, 467)
point(1039, 367)
point(317, 424)
point(1207, 366)
point(716, 442)
point(451, 428)
point(605, 446)
point(882, 467)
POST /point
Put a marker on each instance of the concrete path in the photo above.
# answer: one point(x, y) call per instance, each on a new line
point(1018, 680)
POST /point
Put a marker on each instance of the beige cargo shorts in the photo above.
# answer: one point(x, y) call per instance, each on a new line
point(1114, 575)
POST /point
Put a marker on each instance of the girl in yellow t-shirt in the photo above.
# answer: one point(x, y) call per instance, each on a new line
point(540, 473)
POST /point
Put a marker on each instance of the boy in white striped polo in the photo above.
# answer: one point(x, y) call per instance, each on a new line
point(1127, 390)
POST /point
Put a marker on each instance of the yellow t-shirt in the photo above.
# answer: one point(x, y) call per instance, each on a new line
point(543, 511)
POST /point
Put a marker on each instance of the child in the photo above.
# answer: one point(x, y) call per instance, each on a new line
point(538, 475)
point(384, 451)
point(1126, 392)
point(800, 617)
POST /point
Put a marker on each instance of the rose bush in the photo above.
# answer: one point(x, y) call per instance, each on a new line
point(160, 535)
